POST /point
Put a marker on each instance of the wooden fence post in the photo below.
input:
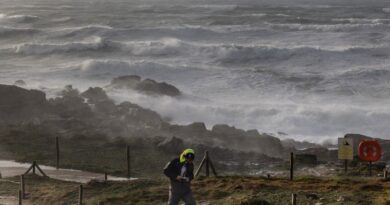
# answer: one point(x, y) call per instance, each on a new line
point(22, 186)
point(293, 199)
point(207, 162)
point(81, 195)
point(291, 166)
point(20, 197)
point(33, 166)
point(105, 176)
point(385, 174)
point(57, 153)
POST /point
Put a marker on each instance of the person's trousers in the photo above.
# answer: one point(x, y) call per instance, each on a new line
point(180, 191)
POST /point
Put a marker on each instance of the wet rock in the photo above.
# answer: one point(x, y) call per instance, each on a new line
point(147, 86)
point(128, 81)
point(152, 87)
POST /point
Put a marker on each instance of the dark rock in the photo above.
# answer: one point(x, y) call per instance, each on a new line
point(152, 87)
point(147, 86)
point(128, 81)
point(95, 94)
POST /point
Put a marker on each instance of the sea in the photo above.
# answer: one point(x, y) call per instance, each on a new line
point(307, 70)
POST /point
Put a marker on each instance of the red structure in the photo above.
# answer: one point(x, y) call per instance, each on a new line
point(370, 150)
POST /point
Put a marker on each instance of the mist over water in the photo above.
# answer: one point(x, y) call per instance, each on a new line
point(315, 70)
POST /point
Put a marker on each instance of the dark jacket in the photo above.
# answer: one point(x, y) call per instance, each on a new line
point(173, 169)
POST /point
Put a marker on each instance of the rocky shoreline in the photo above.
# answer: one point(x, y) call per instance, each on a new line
point(91, 116)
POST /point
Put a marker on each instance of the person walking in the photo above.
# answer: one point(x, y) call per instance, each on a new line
point(180, 171)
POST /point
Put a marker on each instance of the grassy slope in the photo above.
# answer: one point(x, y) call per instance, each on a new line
point(223, 190)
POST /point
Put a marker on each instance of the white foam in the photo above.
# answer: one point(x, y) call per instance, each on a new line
point(47, 48)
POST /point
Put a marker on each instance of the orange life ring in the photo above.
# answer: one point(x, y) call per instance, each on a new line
point(370, 150)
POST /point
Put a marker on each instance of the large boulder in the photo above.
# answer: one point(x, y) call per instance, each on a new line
point(147, 86)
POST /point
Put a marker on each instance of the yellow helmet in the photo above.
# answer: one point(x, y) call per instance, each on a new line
point(185, 154)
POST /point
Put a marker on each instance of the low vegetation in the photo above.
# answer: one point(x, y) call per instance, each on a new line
point(232, 190)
